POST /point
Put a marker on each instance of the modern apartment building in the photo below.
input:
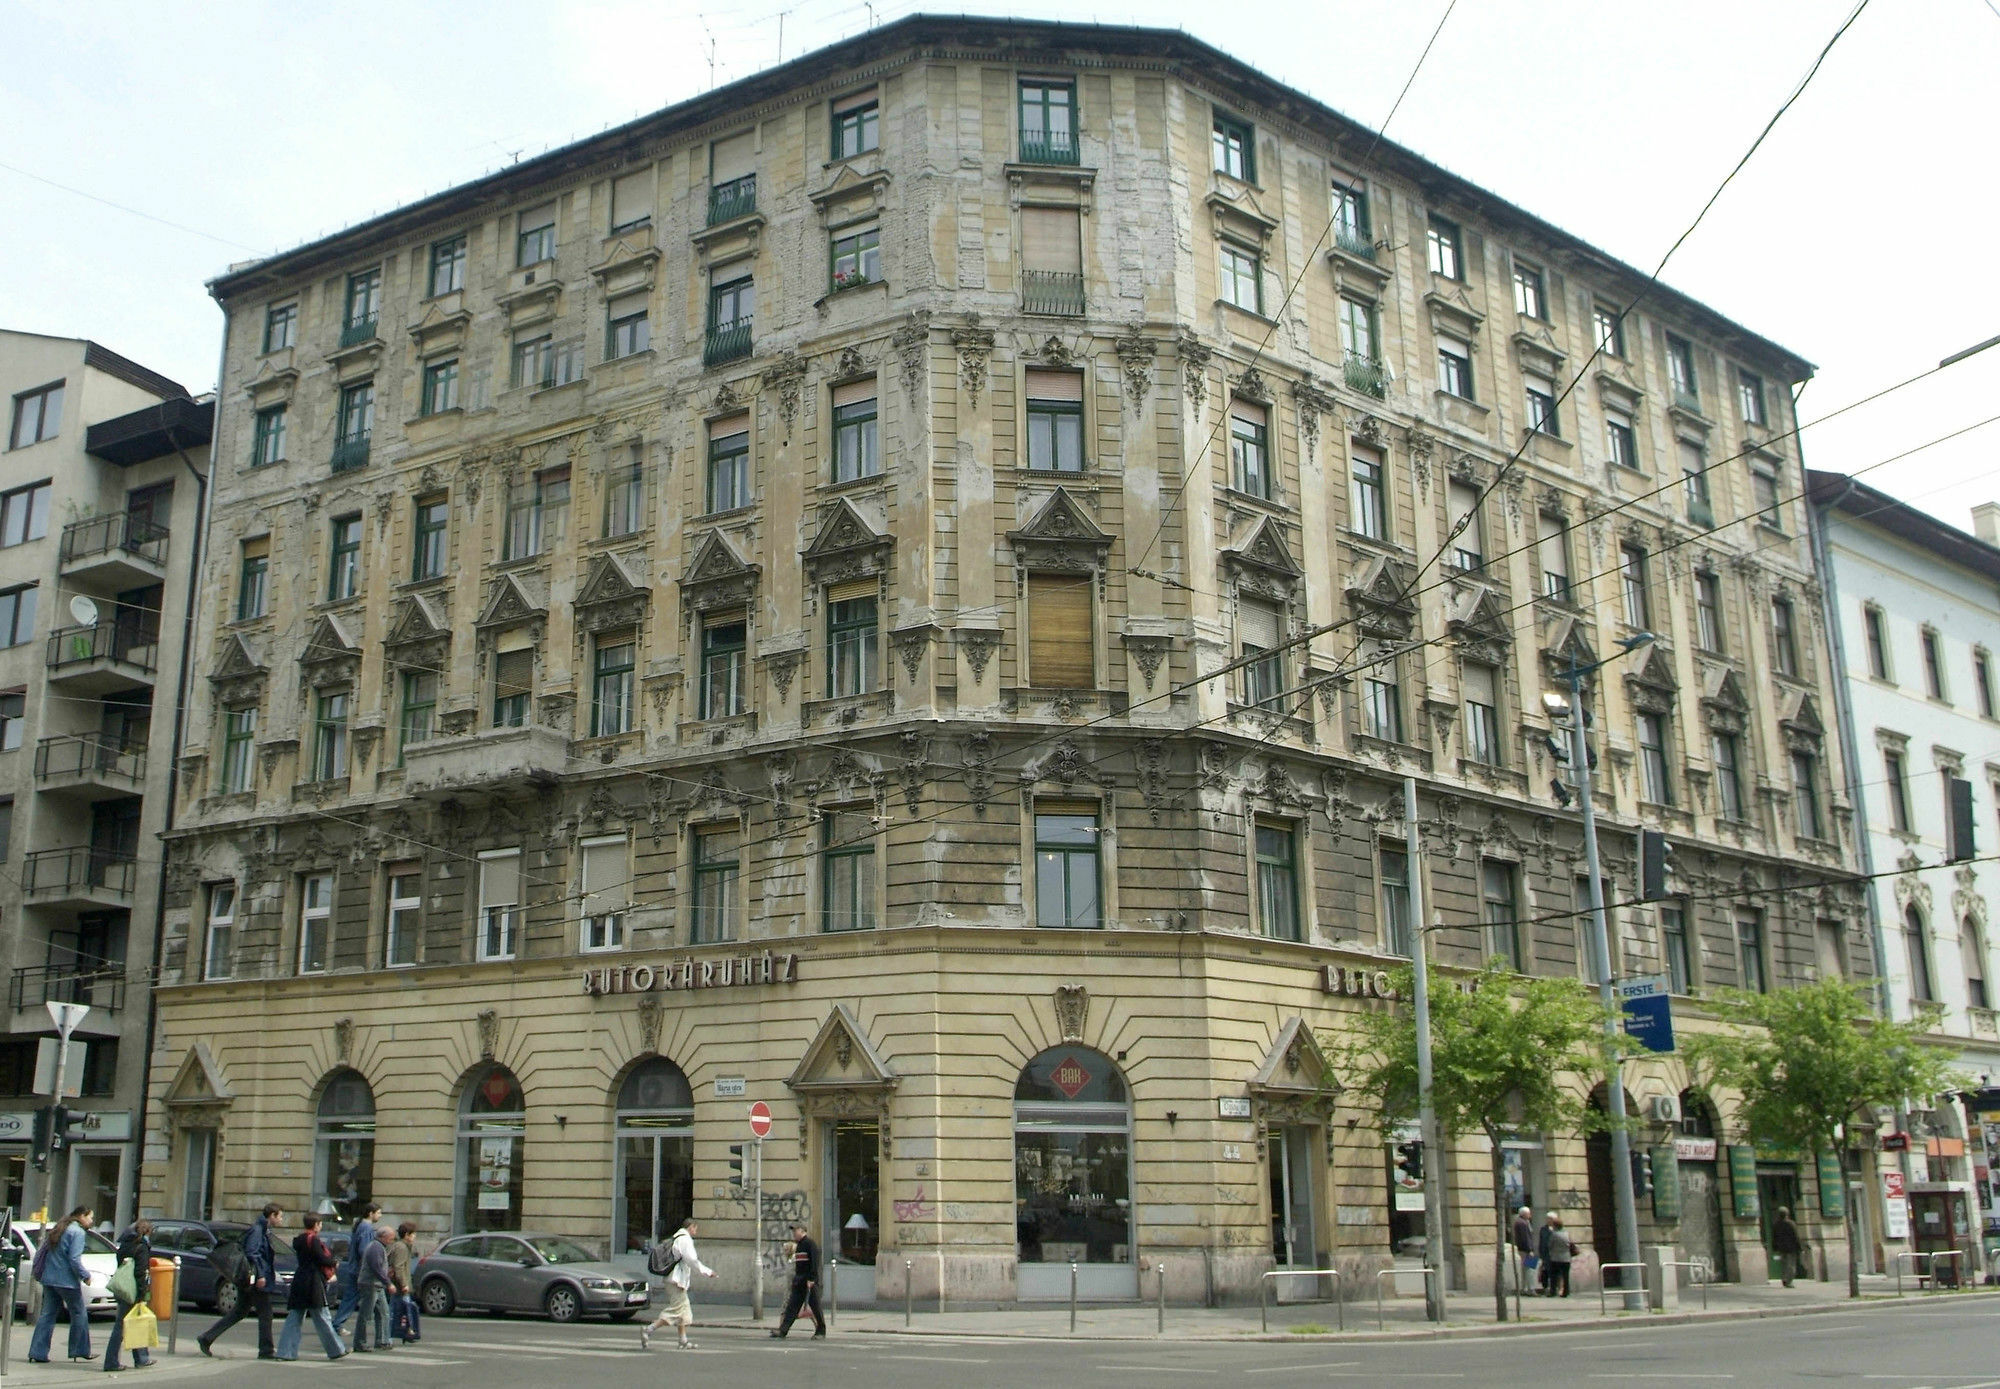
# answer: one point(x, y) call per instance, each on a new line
point(1915, 618)
point(100, 491)
point(905, 588)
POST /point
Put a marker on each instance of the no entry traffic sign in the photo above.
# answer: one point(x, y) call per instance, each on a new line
point(760, 1119)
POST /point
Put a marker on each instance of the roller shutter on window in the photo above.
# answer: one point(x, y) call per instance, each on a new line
point(1049, 240)
point(1059, 632)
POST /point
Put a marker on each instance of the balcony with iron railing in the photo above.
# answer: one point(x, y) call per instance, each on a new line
point(105, 656)
point(101, 987)
point(92, 763)
point(82, 875)
point(120, 550)
point(350, 453)
point(1055, 293)
point(728, 201)
point(1354, 243)
point(1365, 374)
point(726, 343)
point(1048, 147)
point(358, 332)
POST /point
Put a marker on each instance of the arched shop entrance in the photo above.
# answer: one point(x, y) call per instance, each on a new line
point(492, 1139)
point(1073, 1176)
point(654, 1188)
point(1696, 1155)
point(344, 1147)
point(1603, 1192)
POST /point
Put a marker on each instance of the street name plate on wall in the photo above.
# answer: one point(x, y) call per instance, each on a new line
point(1234, 1106)
point(729, 1087)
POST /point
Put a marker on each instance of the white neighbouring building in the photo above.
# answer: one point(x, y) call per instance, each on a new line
point(1915, 609)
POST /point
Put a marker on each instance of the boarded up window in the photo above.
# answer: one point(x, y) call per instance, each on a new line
point(1049, 240)
point(1059, 632)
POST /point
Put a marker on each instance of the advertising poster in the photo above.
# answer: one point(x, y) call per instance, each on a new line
point(496, 1173)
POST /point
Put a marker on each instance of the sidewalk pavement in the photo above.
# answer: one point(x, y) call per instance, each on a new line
point(1402, 1318)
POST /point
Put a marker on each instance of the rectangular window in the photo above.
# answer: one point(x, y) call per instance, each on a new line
point(315, 923)
point(857, 441)
point(1243, 278)
point(1048, 123)
point(1250, 448)
point(1726, 750)
point(625, 496)
point(17, 618)
point(1621, 441)
point(1371, 502)
point(364, 305)
point(632, 199)
point(281, 326)
point(267, 439)
point(420, 699)
point(499, 904)
point(13, 718)
point(1382, 709)
point(535, 236)
point(1933, 664)
point(1542, 416)
point(607, 893)
point(1235, 144)
point(1552, 548)
point(853, 641)
point(1805, 795)
point(354, 426)
point(440, 386)
point(1637, 590)
point(1982, 681)
point(1586, 948)
point(1066, 867)
point(1750, 398)
point(1398, 933)
point(1442, 241)
point(1656, 782)
point(1896, 784)
point(1464, 532)
point(611, 703)
point(856, 258)
point(1259, 638)
point(847, 870)
point(717, 869)
point(1674, 945)
point(537, 514)
point(729, 464)
point(404, 927)
point(330, 735)
point(37, 416)
point(1708, 612)
point(431, 520)
point(1051, 261)
point(343, 574)
point(239, 741)
point(24, 513)
point(725, 643)
point(1694, 485)
point(1278, 914)
point(1750, 951)
point(1455, 366)
point(1358, 336)
point(1764, 498)
point(513, 682)
point(253, 579)
point(1784, 637)
point(1055, 421)
point(1529, 300)
point(447, 265)
point(1680, 370)
point(857, 125)
point(1352, 228)
point(628, 329)
point(540, 363)
point(731, 310)
point(218, 948)
point(1608, 326)
point(1497, 910)
point(1482, 714)
point(1061, 636)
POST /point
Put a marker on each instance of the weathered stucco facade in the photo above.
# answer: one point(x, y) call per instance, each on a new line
point(878, 577)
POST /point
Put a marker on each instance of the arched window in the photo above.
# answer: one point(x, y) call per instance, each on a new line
point(655, 1151)
point(344, 1146)
point(1920, 955)
point(1073, 1175)
point(1972, 945)
point(492, 1134)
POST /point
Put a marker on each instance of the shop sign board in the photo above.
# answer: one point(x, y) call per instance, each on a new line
point(1832, 1187)
point(16, 1127)
point(1895, 1143)
point(1667, 1182)
point(690, 973)
point(1648, 1005)
point(1694, 1149)
point(1743, 1180)
point(1893, 1186)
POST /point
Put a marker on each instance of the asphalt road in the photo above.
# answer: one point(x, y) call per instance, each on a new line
point(1914, 1345)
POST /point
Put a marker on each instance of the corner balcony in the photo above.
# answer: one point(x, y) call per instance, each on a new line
point(493, 759)
point(100, 659)
point(101, 988)
point(90, 765)
point(1365, 375)
point(1052, 293)
point(350, 453)
point(117, 551)
point(358, 332)
point(1050, 147)
point(79, 878)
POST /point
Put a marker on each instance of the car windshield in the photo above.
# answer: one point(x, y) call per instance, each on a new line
point(94, 1243)
point(561, 1251)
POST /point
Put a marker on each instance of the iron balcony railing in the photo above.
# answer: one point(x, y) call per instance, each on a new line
point(133, 643)
point(1364, 374)
point(726, 344)
point(728, 201)
point(78, 869)
point(1054, 147)
point(350, 453)
point(1054, 292)
point(120, 532)
point(1354, 243)
point(100, 987)
point(83, 754)
point(357, 332)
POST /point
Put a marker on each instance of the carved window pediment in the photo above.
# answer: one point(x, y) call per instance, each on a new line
point(1379, 594)
point(1060, 535)
point(417, 618)
point(1241, 218)
point(1452, 311)
point(1565, 640)
point(611, 595)
point(852, 195)
point(1295, 1071)
point(841, 1057)
point(272, 385)
point(1803, 728)
point(628, 266)
point(1653, 688)
point(1263, 563)
point(1617, 388)
point(513, 599)
point(717, 577)
point(331, 656)
point(439, 331)
point(1478, 623)
point(847, 546)
point(1723, 702)
point(1538, 351)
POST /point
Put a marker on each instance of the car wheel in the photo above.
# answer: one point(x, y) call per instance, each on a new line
point(563, 1303)
point(438, 1299)
point(227, 1295)
point(625, 1315)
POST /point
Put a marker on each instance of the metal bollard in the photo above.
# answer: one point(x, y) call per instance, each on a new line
point(1072, 1299)
point(7, 1327)
point(1160, 1272)
point(832, 1289)
point(174, 1322)
point(906, 1292)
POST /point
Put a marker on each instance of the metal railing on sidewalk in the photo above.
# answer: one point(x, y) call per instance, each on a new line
point(1700, 1268)
point(1428, 1273)
point(1957, 1257)
point(1264, 1292)
point(1603, 1269)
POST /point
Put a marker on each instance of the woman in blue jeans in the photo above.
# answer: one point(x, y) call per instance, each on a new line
point(63, 1279)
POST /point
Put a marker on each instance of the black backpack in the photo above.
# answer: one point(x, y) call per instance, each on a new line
point(661, 1259)
point(231, 1264)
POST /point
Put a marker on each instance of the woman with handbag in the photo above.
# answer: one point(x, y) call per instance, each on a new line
point(59, 1269)
point(130, 1287)
point(307, 1300)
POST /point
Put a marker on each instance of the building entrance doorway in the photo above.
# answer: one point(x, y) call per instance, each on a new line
point(1073, 1176)
point(1778, 1188)
point(1294, 1212)
point(654, 1191)
point(853, 1204)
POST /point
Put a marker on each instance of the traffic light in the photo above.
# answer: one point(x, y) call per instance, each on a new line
point(1410, 1159)
point(736, 1164)
point(1656, 863)
point(59, 1121)
point(38, 1145)
point(1642, 1174)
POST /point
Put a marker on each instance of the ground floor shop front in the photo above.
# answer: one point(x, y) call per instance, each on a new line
point(965, 1112)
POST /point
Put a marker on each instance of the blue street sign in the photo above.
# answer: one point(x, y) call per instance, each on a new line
point(1648, 1009)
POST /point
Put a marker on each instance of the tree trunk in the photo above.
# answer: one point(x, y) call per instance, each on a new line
point(1500, 1210)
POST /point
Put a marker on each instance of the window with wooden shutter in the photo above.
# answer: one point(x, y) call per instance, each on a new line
point(1059, 632)
point(733, 158)
point(632, 199)
point(1049, 240)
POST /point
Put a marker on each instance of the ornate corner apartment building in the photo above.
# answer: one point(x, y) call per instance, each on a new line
point(100, 495)
point(731, 610)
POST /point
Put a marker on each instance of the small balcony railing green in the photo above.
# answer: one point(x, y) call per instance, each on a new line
point(726, 344)
point(1700, 513)
point(728, 201)
point(1051, 292)
point(1354, 243)
point(130, 643)
point(1687, 399)
point(95, 986)
point(118, 533)
point(1365, 374)
point(359, 332)
point(78, 869)
point(1051, 147)
point(350, 453)
point(102, 755)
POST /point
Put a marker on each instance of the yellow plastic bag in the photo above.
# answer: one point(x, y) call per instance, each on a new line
point(142, 1328)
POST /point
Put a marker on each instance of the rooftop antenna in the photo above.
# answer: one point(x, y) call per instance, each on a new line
point(711, 49)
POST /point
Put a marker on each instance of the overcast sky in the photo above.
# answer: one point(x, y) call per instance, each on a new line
point(1861, 236)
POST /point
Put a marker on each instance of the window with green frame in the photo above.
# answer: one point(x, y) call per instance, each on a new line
point(268, 444)
point(729, 465)
point(1235, 142)
point(239, 739)
point(724, 648)
point(253, 579)
point(513, 682)
point(1352, 231)
point(1067, 870)
point(611, 704)
point(420, 698)
point(330, 735)
point(1055, 421)
point(853, 645)
point(344, 567)
point(857, 442)
point(440, 386)
point(857, 125)
point(1498, 900)
point(447, 265)
point(281, 325)
point(1278, 881)
point(1242, 278)
point(717, 869)
point(856, 258)
point(432, 517)
point(1048, 123)
point(364, 299)
point(847, 870)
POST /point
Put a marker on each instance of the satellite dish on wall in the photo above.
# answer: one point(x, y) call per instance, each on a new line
point(83, 610)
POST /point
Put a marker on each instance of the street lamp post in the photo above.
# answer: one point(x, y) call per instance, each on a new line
point(1433, 1150)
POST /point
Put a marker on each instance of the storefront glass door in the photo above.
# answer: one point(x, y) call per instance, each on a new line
point(1778, 1188)
point(1073, 1177)
point(853, 1205)
point(655, 1190)
point(1294, 1213)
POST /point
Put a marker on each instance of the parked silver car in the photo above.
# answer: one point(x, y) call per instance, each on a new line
point(526, 1273)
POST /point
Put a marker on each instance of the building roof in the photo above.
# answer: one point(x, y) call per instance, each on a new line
point(156, 430)
point(979, 38)
point(96, 355)
point(1859, 502)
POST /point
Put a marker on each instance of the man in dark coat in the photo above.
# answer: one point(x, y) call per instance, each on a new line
point(1785, 1244)
point(805, 1284)
point(1542, 1253)
point(254, 1296)
point(307, 1301)
point(1524, 1237)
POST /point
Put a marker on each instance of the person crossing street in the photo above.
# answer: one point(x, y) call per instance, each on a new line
point(254, 1287)
point(805, 1285)
point(681, 1266)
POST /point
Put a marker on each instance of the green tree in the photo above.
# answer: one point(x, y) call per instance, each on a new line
point(1807, 1060)
point(1503, 1050)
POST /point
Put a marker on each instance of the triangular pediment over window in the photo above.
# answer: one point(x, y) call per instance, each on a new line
point(1653, 686)
point(1803, 717)
point(1565, 641)
point(717, 576)
point(199, 1080)
point(1295, 1066)
point(416, 618)
point(1378, 591)
point(329, 642)
point(1265, 548)
point(848, 545)
point(1062, 521)
point(1477, 620)
point(510, 601)
point(611, 596)
point(1722, 701)
point(841, 1057)
point(235, 662)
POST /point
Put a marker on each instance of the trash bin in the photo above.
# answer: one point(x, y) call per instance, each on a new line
point(164, 1294)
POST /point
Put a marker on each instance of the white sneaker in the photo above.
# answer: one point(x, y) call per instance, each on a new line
point(687, 1345)
point(645, 1338)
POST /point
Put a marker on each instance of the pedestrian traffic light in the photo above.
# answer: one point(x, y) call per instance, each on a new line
point(59, 1121)
point(736, 1163)
point(1656, 863)
point(1410, 1159)
point(38, 1144)
point(1642, 1174)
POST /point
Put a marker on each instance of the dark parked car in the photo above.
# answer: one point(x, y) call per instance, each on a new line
point(192, 1240)
point(526, 1273)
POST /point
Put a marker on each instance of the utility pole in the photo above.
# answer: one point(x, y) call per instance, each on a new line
point(1426, 1112)
point(757, 1206)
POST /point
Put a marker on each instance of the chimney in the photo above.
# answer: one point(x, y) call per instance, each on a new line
point(1986, 522)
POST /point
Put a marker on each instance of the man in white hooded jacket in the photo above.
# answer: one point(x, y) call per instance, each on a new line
point(678, 1311)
